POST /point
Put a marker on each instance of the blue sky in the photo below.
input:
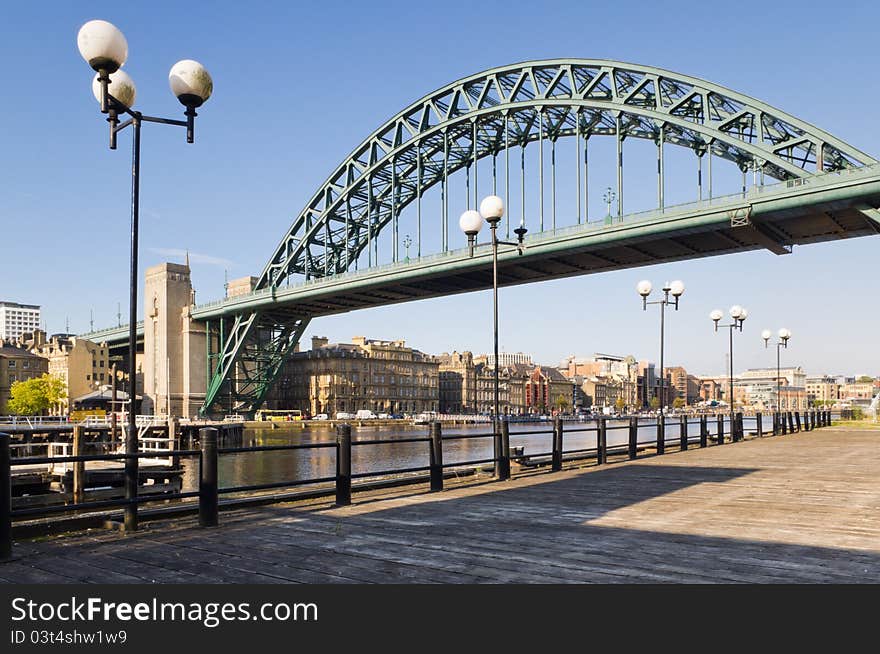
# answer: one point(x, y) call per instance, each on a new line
point(298, 86)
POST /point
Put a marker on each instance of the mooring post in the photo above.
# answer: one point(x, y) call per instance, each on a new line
point(602, 441)
point(208, 486)
point(790, 423)
point(436, 459)
point(5, 498)
point(720, 429)
point(739, 427)
point(79, 467)
point(343, 465)
point(704, 430)
point(556, 462)
point(797, 419)
point(503, 470)
point(759, 424)
point(783, 423)
point(661, 434)
point(633, 436)
point(683, 434)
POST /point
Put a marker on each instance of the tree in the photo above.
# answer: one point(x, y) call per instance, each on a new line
point(561, 403)
point(678, 403)
point(35, 395)
point(655, 403)
point(619, 404)
point(865, 379)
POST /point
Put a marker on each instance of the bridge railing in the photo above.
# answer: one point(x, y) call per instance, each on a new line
point(642, 438)
point(720, 202)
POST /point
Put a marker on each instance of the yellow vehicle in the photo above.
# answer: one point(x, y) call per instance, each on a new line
point(279, 415)
point(78, 415)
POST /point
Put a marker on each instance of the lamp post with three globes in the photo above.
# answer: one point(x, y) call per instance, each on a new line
point(676, 289)
point(739, 315)
point(105, 49)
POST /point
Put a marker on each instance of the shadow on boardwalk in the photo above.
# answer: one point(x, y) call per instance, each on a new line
point(641, 522)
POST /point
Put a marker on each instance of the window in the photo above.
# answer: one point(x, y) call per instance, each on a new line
point(88, 377)
point(12, 378)
point(25, 364)
point(102, 365)
point(12, 363)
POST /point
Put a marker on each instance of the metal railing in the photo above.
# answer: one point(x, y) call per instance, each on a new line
point(668, 433)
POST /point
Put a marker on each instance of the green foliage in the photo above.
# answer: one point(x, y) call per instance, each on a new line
point(619, 404)
point(655, 403)
point(678, 403)
point(36, 395)
point(561, 402)
point(865, 379)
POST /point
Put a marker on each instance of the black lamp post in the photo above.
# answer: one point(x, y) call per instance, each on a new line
point(784, 335)
point(105, 49)
point(676, 289)
point(470, 222)
point(738, 314)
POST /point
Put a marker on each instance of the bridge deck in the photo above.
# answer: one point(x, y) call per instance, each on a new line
point(797, 508)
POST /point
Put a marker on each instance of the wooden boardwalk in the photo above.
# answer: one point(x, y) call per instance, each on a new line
point(797, 508)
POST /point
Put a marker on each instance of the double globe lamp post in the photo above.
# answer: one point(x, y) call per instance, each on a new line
point(676, 289)
point(471, 222)
point(738, 314)
point(105, 49)
point(784, 335)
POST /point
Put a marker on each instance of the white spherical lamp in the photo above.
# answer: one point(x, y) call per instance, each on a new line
point(471, 222)
point(743, 314)
point(121, 87)
point(766, 334)
point(102, 45)
point(735, 311)
point(190, 82)
point(644, 288)
point(492, 208)
point(716, 315)
point(676, 288)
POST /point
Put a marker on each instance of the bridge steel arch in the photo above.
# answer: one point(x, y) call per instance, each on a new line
point(481, 116)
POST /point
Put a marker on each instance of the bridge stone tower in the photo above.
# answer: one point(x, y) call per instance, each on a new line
point(175, 356)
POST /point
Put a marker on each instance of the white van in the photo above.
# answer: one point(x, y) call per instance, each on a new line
point(342, 415)
point(365, 414)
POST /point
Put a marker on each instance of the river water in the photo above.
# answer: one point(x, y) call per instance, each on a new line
point(248, 468)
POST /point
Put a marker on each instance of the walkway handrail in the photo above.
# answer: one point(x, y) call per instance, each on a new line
point(670, 433)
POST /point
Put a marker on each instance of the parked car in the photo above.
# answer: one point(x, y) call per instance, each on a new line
point(384, 416)
point(342, 415)
point(322, 416)
point(365, 414)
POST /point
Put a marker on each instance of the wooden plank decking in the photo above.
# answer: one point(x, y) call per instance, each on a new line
point(796, 508)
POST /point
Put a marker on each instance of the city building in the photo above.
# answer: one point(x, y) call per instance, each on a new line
point(17, 364)
point(678, 384)
point(822, 390)
point(761, 389)
point(546, 389)
point(376, 375)
point(17, 319)
point(505, 359)
point(620, 373)
point(82, 365)
point(709, 389)
point(457, 382)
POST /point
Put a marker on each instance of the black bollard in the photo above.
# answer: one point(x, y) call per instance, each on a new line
point(343, 465)
point(5, 498)
point(704, 431)
point(633, 436)
point(740, 435)
point(720, 437)
point(790, 423)
point(503, 470)
point(208, 484)
point(661, 434)
point(602, 441)
point(436, 459)
point(556, 462)
point(797, 419)
point(683, 433)
point(759, 424)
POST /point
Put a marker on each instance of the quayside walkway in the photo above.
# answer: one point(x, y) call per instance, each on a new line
point(802, 507)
